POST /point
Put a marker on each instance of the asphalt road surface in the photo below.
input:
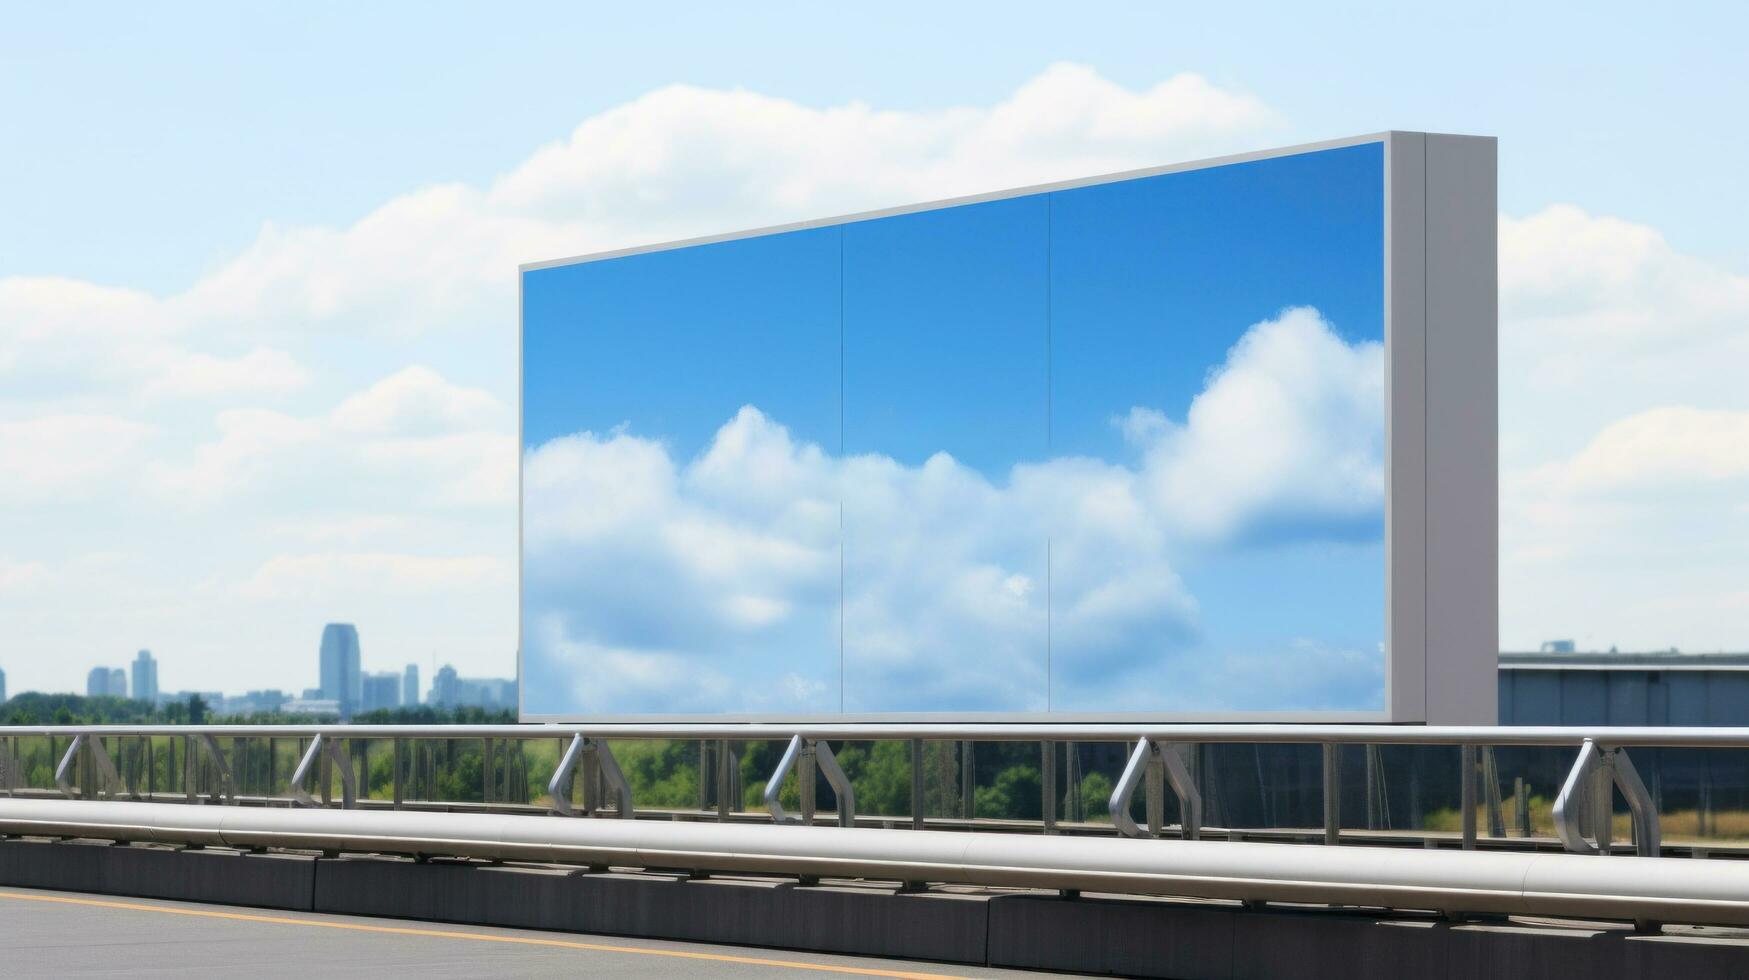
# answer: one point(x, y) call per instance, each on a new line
point(61, 934)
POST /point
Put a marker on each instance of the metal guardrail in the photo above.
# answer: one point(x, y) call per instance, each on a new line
point(1154, 764)
point(1646, 890)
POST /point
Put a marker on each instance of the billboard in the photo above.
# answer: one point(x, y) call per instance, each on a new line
point(1206, 441)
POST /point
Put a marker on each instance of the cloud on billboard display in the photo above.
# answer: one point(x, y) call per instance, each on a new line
point(642, 567)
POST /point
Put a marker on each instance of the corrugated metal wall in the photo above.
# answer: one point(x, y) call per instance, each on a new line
point(1624, 697)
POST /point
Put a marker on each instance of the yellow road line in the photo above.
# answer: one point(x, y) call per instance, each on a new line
point(286, 920)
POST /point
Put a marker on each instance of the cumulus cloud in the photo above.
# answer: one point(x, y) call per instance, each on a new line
point(684, 160)
point(1291, 426)
point(1623, 437)
point(336, 575)
point(81, 456)
point(414, 426)
point(263, 371)
point(730, 570)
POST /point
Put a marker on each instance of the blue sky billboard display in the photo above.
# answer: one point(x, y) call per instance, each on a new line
point(1119, 447)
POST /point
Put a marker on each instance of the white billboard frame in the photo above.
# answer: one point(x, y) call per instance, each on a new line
point(1441, 439)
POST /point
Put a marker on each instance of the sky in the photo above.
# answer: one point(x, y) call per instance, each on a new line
point(1044, 452)
point(257, 295)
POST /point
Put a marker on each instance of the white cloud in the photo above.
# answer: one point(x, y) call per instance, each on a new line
point(1624, 438)
point(727, 567)
point(1670, 450)
point(414, 431)
point(19, 577)
point(336, 576)
point(80, 456)
point(417, 401)
point(685, 161)
point(1292, 425)
point(261, 372)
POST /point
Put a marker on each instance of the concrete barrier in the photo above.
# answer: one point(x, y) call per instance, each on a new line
point(858, 919)
point(1124, 935)
point(223, 877)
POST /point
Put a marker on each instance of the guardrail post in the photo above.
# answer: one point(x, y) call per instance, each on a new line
point(1374, 780)
point(1602, 810)
point(1491, 793)
point(1332, 793)
point(64, 771)
point(1587, 797)
point(310, 759)
point(917, 795)
point(559, 787)
point(486, 761)
point(1467, 794)
point(322, 754)
point(1161, 763)
point(325, 774)
point(398, 761)
point(968, 782)
point(1077, 807)
point(1155, 793)
point(617, 786)
point(226, 788)
point(190, 770)
point(725, 792)
point(840, 783)
point(805, 783)
point(706, 775)
point(1048, 785)
point(774, 785)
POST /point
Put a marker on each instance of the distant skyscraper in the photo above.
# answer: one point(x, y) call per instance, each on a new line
point(145, 677)
point(102, 682)
point(445, 687)
point(381, 691)
point(451, 691)
point(341, 681)
point(409, 687)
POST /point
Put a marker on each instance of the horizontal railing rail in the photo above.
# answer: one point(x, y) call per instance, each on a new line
point(1161, 758)
point(1497, 735)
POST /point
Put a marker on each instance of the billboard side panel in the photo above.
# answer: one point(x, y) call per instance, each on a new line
point(1406, 426)
point(1463, 491)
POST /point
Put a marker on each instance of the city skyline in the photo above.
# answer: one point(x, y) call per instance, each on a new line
point(391, 689)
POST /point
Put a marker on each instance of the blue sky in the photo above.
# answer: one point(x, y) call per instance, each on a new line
point(169, 136)
point(258, 292)
point(986, 347)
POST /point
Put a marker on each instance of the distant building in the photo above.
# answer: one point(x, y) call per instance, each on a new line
point(341, 681)
point(311, 706)
point(106, 682)
point(1557, 646)
point(1624, 689)
point(145, 677)
point(255, 703)
point(381, 691)
point(2, 687)
point(409, 686)
point(448, 690)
